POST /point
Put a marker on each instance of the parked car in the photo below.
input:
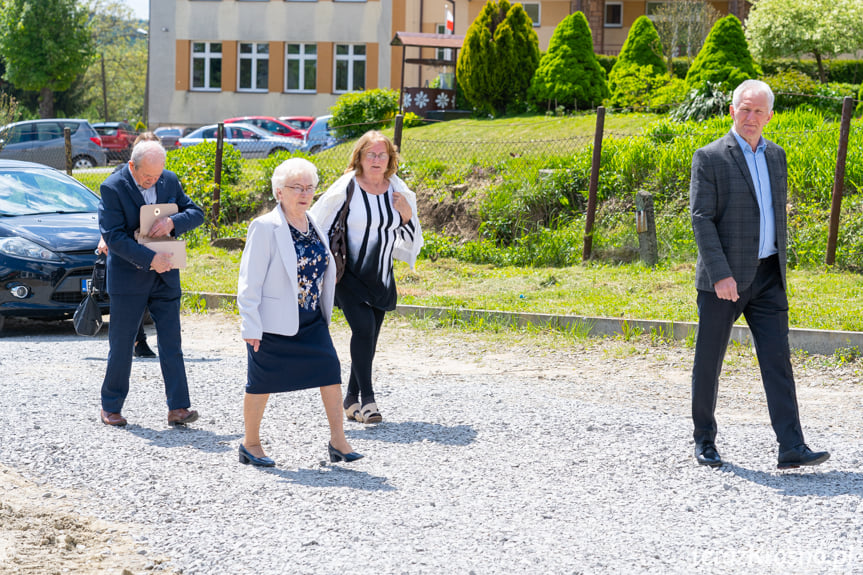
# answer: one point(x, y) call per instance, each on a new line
point(117, 139)
point(42, 141)
point(169, 135)
point(49, 231)
point(320, 136)
point(302, 123)
point(270, 124)
point(251, 141)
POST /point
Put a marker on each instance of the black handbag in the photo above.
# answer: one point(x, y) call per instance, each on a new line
point(339, 234)
point(88, 317)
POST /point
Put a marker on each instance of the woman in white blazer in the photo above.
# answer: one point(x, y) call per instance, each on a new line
point(285, 297)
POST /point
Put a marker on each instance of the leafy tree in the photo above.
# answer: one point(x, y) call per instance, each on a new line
point(569, 73)
point(682, 27)
point(724, 59)
point(355, 113)
point(46, 45)
point(115, 81)
point(498, 57)
point(640, 57)
point(792, 28)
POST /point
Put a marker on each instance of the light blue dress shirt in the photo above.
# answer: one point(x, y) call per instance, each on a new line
point(757, 164)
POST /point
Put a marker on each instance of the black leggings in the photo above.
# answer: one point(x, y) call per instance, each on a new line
point(365, 322)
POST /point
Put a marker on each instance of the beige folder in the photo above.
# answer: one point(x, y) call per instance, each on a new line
point(176, 247)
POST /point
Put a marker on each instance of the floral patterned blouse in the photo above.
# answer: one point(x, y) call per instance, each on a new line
point(311, 265)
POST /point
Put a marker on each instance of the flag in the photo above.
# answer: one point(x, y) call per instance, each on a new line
point(450, 23)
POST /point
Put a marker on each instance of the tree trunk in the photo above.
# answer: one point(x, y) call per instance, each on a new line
point(821, 72)
point(46, 103)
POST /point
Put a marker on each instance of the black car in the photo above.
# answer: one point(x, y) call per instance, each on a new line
point(49, 231)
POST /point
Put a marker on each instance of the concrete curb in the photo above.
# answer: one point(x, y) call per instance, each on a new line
point(815, 341)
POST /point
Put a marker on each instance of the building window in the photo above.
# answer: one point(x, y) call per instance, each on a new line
point(443, 53)
point(206, 65)
point(532, 11)
point(301, 67)
point(614, 14)
point(254, 63)
point(350, 67)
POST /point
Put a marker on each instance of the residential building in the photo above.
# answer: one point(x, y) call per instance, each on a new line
point(215, 59)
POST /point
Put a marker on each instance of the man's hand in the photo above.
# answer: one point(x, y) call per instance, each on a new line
point(726, 289)
point(255, 343)
point(162, 227)
point(102, 248)
point(161, 263)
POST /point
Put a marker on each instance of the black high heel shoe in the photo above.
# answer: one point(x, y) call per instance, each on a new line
point(336, 455)
point(247, 458)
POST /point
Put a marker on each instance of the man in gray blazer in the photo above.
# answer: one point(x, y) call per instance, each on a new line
point(737, 201)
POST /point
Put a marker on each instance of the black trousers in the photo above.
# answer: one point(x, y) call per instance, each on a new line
point(365, 322)
point(765, 306)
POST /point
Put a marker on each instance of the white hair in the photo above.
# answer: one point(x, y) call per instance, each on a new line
point(150, 150)
point(290, 169)
point(756, 86)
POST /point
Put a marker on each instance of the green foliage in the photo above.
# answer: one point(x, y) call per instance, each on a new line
point(703, 102)
point(794, 88)
point(355, 113)
point(45, 45)
point(859, 109)
point(498, 58)
point(724, 59)
point(845, 71)
point(607, 62)
point(634, 76)
point(569, 74)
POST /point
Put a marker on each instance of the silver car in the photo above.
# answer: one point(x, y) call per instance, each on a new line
point(251, 141)
point(42, 141)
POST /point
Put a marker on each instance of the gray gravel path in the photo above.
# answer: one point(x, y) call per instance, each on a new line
point(494, 456)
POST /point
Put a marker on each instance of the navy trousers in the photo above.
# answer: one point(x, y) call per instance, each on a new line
point(765, 306)
point(126, 313)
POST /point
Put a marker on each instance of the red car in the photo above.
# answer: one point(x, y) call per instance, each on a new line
point(270, 124)
point(117, 139)
point(302, 123)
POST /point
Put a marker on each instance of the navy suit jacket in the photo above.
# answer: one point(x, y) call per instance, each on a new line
point(119, 216)
point(725, 215)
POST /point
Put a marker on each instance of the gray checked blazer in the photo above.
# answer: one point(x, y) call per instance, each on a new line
point(725, 215)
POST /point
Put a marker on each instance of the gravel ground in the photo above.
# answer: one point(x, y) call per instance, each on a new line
point(496, 455)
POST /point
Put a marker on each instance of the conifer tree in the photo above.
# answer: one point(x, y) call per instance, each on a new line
point(724, 59)
point(641, 56)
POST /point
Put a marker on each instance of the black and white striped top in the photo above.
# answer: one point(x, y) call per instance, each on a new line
point(373, 228)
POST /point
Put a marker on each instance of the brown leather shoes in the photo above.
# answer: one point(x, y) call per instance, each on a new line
point(114, 419)
point(181, 416)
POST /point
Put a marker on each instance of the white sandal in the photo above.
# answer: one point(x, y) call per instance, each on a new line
point(369, 414)
point(353, 412)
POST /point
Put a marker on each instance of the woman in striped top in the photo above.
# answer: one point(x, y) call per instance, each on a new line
point(381, 225)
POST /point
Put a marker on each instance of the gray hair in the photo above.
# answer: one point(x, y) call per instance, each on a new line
point(290, 169)
point(756, 86)
point(148, 150)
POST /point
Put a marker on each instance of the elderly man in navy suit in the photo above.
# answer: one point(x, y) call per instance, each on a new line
point(737, 201)
point(140, 278)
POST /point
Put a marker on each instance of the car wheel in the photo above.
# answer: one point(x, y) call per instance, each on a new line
point(2, 322)
point(275, 151)
point(83, 162)
point(315, 150)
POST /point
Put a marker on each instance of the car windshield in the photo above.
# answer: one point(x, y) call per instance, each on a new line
point(24, 193)
point(106, 131)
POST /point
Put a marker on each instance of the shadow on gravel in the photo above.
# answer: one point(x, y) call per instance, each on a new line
point(332, 476)
point(802, 483)
point(415, 432)
point(185, 437)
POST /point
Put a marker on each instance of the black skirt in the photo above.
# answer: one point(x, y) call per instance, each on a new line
point(293, 362)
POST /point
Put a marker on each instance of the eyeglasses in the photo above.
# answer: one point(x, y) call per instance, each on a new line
point(373, 156)
point(300, 189)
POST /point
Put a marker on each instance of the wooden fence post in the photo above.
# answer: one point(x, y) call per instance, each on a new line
point(594, 182)
point(67, 137)
point(397, 132)
point(645, 225)
point(217, 178)
point(839, 179)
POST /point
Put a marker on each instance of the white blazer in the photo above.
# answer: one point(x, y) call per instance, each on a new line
point(267, 290)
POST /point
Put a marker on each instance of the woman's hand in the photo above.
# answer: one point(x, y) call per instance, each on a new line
point(255, 343)
point(403, 207)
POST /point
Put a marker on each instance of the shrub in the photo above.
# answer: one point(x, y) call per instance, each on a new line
point(704, 102)
point(724, 59)
point(860, 101)
point(355, 113)
point(569, 74)
point(640, 60)
point(195, 166)
point(498, 58)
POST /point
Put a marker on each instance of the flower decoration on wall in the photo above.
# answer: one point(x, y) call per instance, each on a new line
point(421, 100)
point(442, 101)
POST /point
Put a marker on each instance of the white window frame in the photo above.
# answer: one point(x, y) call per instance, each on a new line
point(255, 57)
point(351, 59)
point(207, 55)
point(608, 24)
point(537, 22)
point(302, 58)
point(443, 53)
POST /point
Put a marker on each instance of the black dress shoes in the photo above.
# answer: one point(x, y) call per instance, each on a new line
point(706, 454)
point(801, 455)
point(143, 350)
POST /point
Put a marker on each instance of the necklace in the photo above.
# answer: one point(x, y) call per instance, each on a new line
point(306, 233)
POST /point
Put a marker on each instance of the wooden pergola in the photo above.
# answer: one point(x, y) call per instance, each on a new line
point(423, 40)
